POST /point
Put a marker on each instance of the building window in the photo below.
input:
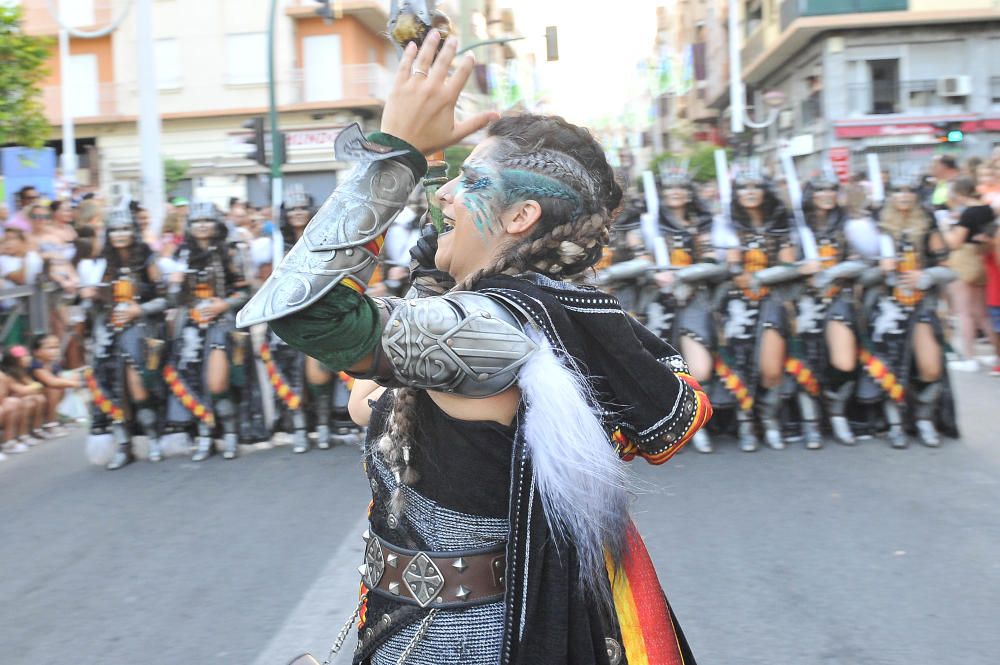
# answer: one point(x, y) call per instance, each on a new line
point(246, 58)
point(884, 77)
point(995, 90)
point(323, 74)
point(755, 16)
point(168, 64)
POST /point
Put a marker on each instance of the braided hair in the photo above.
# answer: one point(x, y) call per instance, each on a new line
point(563, 168)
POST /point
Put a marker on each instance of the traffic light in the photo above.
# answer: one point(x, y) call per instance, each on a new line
point(256, 140)
point(948, 132)
point(551, 43)
point(328, 9)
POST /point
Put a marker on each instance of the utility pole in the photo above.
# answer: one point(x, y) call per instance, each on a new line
point(151, 159)
point(277, 147)
point(69, 162)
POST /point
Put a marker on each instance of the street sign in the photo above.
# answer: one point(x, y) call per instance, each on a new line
point(840, 157)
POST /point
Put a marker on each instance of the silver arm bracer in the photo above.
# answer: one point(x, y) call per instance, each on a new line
point(464, 343)
point(338, 242)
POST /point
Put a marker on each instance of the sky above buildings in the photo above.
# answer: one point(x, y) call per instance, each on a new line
point(600, 44)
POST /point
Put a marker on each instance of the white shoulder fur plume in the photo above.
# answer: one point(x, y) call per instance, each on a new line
point(583, 484)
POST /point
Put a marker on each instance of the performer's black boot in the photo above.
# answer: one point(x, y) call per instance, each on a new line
point(320, 393)
point(927, 399)
point(204, 447)
point(897, 437)
point(836, 401)
point(124, 455)
point(225, 411)
point(747, 435)
point(770, 407)
point(809, 411)
point(146, 417)
point(300, 438)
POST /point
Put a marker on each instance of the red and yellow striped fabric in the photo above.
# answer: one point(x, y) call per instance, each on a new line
point(101, 400)
point(648, 633)
point(628, 450)
point(281, 387)
point(375, 246)
point(879, 371)
point(181, 392)
point(802, 375)
point(733, 383)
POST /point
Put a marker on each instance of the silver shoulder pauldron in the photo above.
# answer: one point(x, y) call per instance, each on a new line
point(464, 343)
point(342, 239)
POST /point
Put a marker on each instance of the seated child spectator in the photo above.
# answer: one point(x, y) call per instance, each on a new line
point(46, 370)
point(15, 379)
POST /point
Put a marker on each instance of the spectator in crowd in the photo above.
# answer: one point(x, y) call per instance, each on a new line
point(16, 379)
point(988, 184)
point(944, 170)
point(966, 259)
point(55, 238)
point(4, 214)
point(181, 206)
point(12, 420)
point(992, 261)
point(19, 266)
point(90, 215)
point(46, 369)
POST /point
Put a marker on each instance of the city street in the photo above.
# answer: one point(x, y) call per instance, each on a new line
point(860, 555)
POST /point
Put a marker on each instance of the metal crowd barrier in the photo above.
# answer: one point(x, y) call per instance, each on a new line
point(33, 300)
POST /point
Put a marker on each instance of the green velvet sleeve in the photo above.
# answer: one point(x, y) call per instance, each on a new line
point(339, 330)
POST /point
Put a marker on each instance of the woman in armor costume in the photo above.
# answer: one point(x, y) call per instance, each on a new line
point(293, 373)
point(128, 335)
point(208, 357)
point(826, 318)
point(683, 314)
point(756, 322)
point(499, 503)
point(904, 349)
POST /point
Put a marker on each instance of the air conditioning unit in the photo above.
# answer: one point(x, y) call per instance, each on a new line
point(954, 86)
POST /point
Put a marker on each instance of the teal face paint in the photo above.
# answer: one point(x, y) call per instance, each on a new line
point(478, 188)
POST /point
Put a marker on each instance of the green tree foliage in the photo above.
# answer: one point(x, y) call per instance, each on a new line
point(456, 156)
point(174, 170)
point(701, 161)
point(22, 68)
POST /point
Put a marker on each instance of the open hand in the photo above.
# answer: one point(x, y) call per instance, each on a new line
point(420, 108)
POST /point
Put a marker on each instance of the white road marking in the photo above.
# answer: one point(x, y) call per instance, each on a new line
point(314, 623)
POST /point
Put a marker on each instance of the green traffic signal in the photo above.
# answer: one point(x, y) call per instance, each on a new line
point(956, 136)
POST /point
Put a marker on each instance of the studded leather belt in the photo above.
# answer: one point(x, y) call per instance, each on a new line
point(448, 580)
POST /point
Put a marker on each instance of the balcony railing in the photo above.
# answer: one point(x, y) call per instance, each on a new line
point(367, 81)
point(902, 97)
point(86, 101)
point(793, 9)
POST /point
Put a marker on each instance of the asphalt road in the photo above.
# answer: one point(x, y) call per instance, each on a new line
point(843, 556)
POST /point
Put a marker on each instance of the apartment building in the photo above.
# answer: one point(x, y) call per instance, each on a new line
point(872, 75)
point(211, 72)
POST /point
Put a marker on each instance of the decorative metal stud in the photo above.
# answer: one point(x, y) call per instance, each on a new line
point(462, 593)
point(392, 560)
point(386, 619)
point(367, 535)
point(615, 651)
point(363, 569)
point(483, 376)
point(459, 565)
point(423, 579)
point(394, 588)
point(374, 486)
point(392, 521)
point(374, 562)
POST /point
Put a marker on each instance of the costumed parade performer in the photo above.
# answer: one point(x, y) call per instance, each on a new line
point(499, 528)
point(302, 386)
point(756, 321)
point(209, 358)
point(903, 355)
point(125, 384)
point(687, 290)
point(826, 321)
